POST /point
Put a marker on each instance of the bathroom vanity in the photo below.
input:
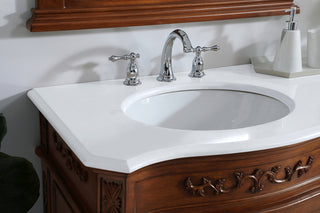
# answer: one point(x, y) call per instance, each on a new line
point(99, 157)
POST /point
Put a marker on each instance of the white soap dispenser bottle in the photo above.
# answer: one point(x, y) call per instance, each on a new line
point(288, 57)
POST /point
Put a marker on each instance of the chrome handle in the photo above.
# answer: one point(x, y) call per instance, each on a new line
point(131, 56)
point(212, 48)
point(199, 49)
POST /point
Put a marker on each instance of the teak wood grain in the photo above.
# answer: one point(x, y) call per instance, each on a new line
point(285, 179)
point(53, 15)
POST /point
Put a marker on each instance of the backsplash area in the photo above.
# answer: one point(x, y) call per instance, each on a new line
point(31, 60)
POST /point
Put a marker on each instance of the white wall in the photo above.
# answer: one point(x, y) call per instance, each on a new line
point(42, 59)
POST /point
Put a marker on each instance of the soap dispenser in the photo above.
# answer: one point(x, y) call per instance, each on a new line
point(288, 57)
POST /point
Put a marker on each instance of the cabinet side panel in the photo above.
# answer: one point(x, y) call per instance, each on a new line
point(46, 179)
point(80, 180)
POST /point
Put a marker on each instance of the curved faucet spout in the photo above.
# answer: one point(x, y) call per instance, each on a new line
point(166, 73)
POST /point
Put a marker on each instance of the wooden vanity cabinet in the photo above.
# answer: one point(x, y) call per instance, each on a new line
point(285, 179)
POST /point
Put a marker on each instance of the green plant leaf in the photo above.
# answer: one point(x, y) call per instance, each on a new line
point(3, 127)
point(19, 184)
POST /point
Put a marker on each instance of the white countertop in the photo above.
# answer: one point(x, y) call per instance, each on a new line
point(88, 116)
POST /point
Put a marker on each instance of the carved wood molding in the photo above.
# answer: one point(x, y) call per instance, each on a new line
point(53, 15)
point(257, 178)
point(71, 162)
point(44, 132)
point(46, 187)
point(111, 196)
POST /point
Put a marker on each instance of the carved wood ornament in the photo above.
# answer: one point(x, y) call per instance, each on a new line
point(257, 177)
point(111, 196)
point(71, 162)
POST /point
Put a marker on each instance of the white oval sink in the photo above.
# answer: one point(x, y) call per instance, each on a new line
point(206, 109)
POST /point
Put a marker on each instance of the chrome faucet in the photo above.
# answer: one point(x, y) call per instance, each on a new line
point(166, 73)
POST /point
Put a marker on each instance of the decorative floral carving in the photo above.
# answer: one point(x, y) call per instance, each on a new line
point(71, 162)
point(257, 177)
point(217, 186)
point(111, 196)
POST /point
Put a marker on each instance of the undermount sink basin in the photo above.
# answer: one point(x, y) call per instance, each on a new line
point(205, 109)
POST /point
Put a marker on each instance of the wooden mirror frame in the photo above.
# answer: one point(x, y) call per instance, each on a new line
point(54, 15)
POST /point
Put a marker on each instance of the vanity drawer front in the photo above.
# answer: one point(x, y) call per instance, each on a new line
point(250, 182)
